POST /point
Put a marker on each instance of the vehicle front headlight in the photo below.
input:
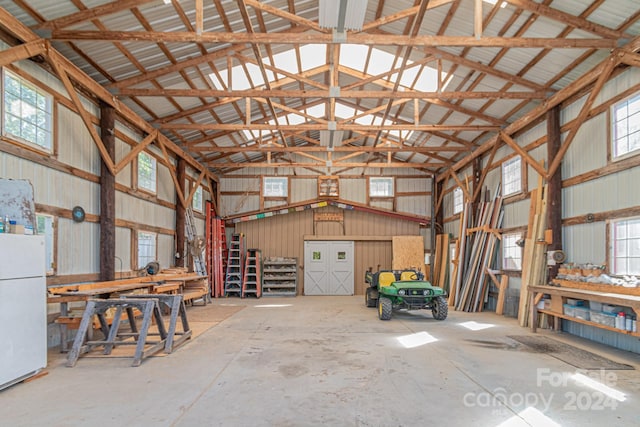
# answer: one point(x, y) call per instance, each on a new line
point(426, 292)
point(401, 292)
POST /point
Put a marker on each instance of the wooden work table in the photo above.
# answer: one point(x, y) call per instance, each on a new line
point(559, 295)
point(191, 285)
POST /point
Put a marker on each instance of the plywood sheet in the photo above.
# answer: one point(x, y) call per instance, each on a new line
point(408, 252)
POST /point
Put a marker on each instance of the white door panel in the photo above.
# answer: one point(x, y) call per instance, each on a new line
point(328, 268)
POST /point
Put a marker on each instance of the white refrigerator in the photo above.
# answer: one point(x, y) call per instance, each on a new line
point(23, 308)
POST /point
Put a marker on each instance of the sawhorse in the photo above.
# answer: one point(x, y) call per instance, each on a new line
point(176, 307)
point(149, 308)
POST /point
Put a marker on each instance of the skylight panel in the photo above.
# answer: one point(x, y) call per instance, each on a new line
point(286, 61)
point(312, 56)
point(381, 62)
point(353, 56)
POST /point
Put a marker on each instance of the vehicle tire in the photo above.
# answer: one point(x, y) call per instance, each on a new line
point(384, 308)
point(440, 308)
point(371, 297)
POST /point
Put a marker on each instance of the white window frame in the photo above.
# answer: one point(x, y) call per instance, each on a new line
point(275, 186)
point(382, 186)
point(625, 246)
point(41, 110)
point(147, 182)
point(197, 201)
point(512, 176)
point(146, 248)
point(46, 225)
point(458, 200)
point(511, 252)
point(625, 127)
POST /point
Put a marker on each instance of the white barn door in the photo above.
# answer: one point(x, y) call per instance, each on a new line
point(328, 267)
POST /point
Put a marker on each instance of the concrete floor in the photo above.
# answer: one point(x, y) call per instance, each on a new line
point(329, 361)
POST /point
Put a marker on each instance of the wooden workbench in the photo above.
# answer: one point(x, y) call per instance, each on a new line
point(559, 294)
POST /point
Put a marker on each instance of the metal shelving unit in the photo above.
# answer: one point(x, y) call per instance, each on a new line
point(280, 277)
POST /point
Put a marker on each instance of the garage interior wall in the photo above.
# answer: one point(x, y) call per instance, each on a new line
point(283, 236)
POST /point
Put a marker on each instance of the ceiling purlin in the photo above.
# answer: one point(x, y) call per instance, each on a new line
point(567, 30)
point(162, 46)
point(506, 27)
point(567, 18)
point(86, 14)
point(292, 18)
point(443, 27)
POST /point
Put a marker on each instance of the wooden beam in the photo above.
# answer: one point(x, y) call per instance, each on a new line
point(344, 94)
point(402, 15)
point(20, 31)
point(93, 13)
point(399, 165)
point(610, 64)
point(356, 38)
point(567, 18)
point(23, 51)
point(135, 151)
point(482, 68)
point(294, 19)
point(104, 153)
point(485, 170)
point(524, 154)
point(477, 19)
point(174, 175)
point(630, 58)
point(335, 149)
point(107, 195)
point(554, 204)
point(463, 187)
point(340, 126)
point(199, 17)
point(556, 99)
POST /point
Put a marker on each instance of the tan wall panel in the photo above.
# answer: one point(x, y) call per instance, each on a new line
point(370, 254)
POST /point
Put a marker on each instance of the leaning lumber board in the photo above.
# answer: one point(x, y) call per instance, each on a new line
point(502, 294)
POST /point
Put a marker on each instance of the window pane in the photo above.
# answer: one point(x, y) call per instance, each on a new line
point(626, 246)
point(634, 105)
point(381, 187)
point(197, 200)
point(26, 108)
point(512, 176)
point(146, 248)
point(626, 122)
point(146, 172)
point(275, 187)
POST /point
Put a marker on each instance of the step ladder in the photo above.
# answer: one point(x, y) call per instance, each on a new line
point(195, 244)
point(220, 254)
point(252, 281)
point(216, 253)
point(235, 266)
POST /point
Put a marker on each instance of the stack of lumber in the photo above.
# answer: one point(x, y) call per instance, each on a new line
point(441, 262)
point(534, 258)
point(478, 247)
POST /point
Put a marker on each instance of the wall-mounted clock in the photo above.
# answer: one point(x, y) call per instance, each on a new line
point(77, 213)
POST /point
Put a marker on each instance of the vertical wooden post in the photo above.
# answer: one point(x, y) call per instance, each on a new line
point(477, 175)
point(554, 206)
point(107, 196)
point(180, 216)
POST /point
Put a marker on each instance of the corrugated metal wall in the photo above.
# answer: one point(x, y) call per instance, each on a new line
point(283, 236)
point(78, 243)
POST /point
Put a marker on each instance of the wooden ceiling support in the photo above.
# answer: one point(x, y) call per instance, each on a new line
point(314, 38)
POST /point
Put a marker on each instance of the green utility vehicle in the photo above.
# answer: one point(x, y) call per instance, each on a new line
point(407, 289)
